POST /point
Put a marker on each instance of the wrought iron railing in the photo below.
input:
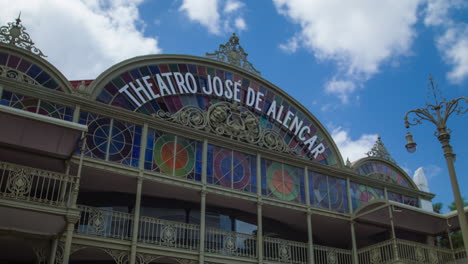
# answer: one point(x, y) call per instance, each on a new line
point(324, 255)
point(383, 252)
point(104, 223)
point(460, 256)
point(408, 252)
point(230, 243)
point(35, 185)
point(412, 252)
point(284, 251)
point(169, 233)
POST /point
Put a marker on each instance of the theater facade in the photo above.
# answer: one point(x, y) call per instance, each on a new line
point(186, 159)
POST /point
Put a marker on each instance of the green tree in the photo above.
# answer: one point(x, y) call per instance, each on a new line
point(437, 207)
point(457, 238)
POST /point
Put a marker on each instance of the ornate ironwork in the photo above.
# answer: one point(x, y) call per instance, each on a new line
point(230, 244)
point(229, 120)
point(20, 182)
point(97, 221)
point(233, 53)
point(332, 257)
point(16, 75)
point(15, 34)
point(284, 252)
point(119, 256)
point(375, 256)
point(380, 151)
point(168, 235)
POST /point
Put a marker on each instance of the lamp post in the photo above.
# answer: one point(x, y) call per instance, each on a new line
point(438, 115)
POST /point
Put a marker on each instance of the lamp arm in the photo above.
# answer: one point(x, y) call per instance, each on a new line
point(420, 114)
point(454, 107)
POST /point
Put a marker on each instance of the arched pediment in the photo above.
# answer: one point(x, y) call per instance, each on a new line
point(26, 67)
point(382, 169)
point(219, 98)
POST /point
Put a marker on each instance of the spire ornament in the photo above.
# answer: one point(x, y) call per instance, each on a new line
point(15, 34)
point(233, 53)
point(380, 151)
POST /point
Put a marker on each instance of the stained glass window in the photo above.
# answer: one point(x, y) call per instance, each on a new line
point(282, 181)
point(98, 134)
point(328, 192)
point(37, 106)
point(232, 169)
point(112, 140)
point(363, 194)
point(173, 155)
point(382, 172)
point(403, 199)
point(14, 65)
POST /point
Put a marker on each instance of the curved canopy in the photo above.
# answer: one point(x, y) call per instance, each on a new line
point(217, 97)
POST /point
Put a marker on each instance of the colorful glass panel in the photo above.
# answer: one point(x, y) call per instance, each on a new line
point(232, 169)
point(125, 142)
point(363, 194)
point(383, 172)
point(282, 181)
point(400, 198)
point(328, 192)
point(14, 64)
point(173, 155)
point(37, 106)
point(155, 87)
point(98, 134)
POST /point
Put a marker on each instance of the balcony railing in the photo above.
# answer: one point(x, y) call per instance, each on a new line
point(105, 223)
point(35, 185)
point(408, 252)
point(168, 233)
point(324, 254)
point(118, 225)
point(284, 251)
point(230, 243)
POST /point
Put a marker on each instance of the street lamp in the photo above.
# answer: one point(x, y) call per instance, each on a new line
point(438, 115)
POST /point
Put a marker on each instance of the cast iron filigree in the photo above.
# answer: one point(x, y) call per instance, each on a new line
point(15, 34)
point(380, 151)
point(233, 53)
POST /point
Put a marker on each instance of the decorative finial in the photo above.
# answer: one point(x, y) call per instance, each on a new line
point(15, 34)
point(348, 163)
point(233, 53)
point(380, 151)
point(434, 89)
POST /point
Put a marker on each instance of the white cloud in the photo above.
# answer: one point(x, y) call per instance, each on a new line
point(340, 88)
point(453, 43)
point(240, 24)
point(291, 45)
point(359, 36)
point(83, 38)
point(232, 5)
point(432, 171)
point(353, 149)
point(204, 12)
point(218, 16)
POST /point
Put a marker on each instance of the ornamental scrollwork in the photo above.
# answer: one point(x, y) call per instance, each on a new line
point(419, 254)
point(168, 235)
point(119, 256)
point(230, 120)
point(332, 257)
point(19, 183)
point(15, 34)
point(233, 53)
point(380, 151)
point(97, 221)
point(16, 75)
point(284, 253)
point(375, 256)
point(230, 244)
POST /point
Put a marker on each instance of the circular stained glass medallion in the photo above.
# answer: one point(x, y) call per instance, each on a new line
point(232, 168)
point(174, 156)
point(121, 142)
point(282, 182)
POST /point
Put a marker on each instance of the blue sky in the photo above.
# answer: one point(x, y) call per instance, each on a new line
point(358, 66)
